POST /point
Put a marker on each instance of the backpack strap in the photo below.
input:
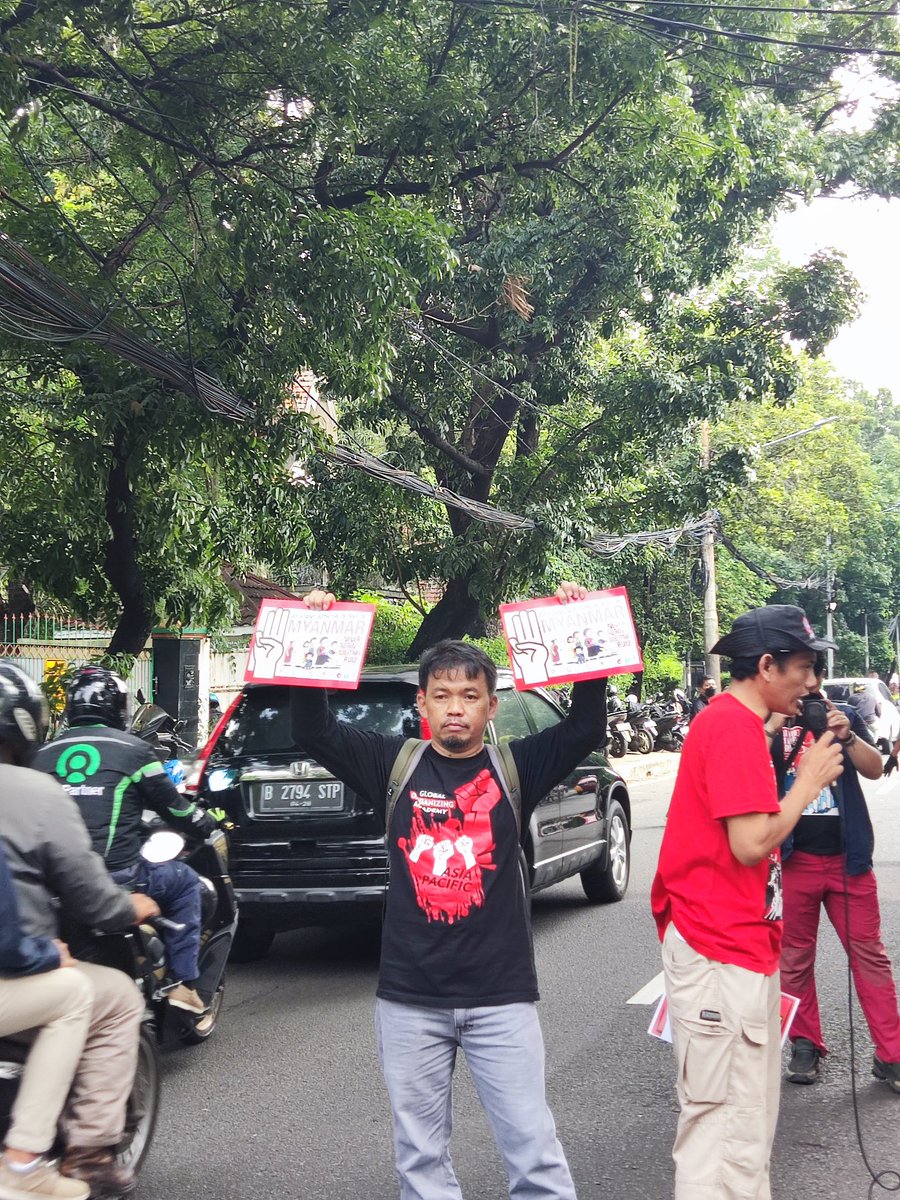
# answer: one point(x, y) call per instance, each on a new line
point(404, 764)
point(504, 764)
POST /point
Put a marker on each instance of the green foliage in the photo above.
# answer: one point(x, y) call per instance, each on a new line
point(821, 505)
point(494, 648)
point(511, 265)
point(394, 628)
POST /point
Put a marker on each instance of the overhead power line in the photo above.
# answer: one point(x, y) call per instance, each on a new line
point(666, 25)
point(37, 305)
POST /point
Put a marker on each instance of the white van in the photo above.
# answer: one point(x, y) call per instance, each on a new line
point(886, 726)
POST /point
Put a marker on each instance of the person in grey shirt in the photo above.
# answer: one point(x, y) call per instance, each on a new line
point(56, 872)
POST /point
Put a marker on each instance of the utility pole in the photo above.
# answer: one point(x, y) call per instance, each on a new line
point(708, 559)
point(830, 606)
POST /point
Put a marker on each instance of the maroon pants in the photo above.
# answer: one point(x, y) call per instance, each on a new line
point(811, 881)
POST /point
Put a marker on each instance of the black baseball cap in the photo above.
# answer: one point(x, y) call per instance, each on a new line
point(775, 628)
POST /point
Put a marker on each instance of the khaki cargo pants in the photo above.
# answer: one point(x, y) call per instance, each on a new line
point(726, 1029)
point(84, 1024)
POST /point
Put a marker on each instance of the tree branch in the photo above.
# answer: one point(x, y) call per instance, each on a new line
point(419, 423)
point(115, 258)
point(481, 335)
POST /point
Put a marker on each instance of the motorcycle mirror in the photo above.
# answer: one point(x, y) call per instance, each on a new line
point(162, 847)
point(139, 696)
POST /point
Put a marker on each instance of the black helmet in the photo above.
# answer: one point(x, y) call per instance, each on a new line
point(23, 713)
point(96, 696)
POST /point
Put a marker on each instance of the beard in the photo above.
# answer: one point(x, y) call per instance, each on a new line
point(454, 742)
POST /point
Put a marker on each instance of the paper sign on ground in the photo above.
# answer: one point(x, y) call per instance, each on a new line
point(552, 642)
point(295, 644)
point(661, 1026)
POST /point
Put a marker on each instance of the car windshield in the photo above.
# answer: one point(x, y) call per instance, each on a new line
point(261, 723)
point(837, 692)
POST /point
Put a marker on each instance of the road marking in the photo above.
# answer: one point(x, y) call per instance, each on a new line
point(650, 992)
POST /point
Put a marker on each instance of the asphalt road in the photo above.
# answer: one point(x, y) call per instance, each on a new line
point(286, 1100)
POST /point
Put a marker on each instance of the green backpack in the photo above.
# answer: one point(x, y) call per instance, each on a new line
point(408, 759)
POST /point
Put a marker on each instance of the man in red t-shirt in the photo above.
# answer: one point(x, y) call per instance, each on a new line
point(717, 903)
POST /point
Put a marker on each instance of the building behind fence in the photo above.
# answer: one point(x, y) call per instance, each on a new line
point(46, 647)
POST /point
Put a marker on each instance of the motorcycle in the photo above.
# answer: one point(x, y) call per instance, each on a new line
point(161, 731)
point(139, 952)
point(619, 733)
point(124, 951)
point(218, 923)
point(671, 725)
point(645, 730)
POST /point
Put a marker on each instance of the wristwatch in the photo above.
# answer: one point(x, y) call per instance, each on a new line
point(847, 742)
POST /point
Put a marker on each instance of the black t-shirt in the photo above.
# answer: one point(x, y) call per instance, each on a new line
point(820, 829)
point(457, 929)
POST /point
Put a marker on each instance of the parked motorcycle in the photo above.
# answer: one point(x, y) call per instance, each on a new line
point(160, 730)
point(645, 729)
point(619, 733)
point(671, 724)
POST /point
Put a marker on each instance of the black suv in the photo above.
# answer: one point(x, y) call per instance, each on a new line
point(307, 850)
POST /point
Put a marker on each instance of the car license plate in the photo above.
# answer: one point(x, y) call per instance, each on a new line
point(315, 795)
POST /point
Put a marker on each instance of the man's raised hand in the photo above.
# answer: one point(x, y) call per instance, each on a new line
point(319, 600)
point(568, 590)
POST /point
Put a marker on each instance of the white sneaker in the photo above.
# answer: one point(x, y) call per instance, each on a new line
point(40, 1183)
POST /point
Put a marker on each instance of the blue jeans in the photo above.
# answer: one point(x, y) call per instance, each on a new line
point(176, 889)
point(504, 1050)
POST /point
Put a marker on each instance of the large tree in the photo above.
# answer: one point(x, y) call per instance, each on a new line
point(494, 231)
point(153, 161)
point(599, 177)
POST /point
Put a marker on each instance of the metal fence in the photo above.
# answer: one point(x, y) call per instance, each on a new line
point(47, 647)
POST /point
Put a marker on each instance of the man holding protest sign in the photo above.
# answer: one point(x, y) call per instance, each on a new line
point(457, 962)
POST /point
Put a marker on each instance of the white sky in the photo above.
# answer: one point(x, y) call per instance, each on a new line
point(867, 232)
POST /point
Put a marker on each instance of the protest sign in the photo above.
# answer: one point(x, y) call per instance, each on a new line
point(661, 1025)
point(295, 644)
point(552, 642)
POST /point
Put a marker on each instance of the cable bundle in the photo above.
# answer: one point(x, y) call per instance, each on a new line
point(38, 305)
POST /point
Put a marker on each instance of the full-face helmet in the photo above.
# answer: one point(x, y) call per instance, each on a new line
point(97, 696)
point(23, 713)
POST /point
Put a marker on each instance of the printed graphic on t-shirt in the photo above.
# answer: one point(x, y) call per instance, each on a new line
point(447, 857)
point(774, 889)
point(825, 804)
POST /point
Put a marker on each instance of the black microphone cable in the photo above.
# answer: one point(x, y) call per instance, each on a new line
point(887, 1180)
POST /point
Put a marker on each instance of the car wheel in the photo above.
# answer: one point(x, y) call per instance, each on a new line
point(251, 942)
point(643, 741)
point(605, 881)
point(142, 1106)
point(204, 1027)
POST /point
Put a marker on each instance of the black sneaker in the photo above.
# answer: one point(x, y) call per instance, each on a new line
point(804, 1064)
point(889, 1072)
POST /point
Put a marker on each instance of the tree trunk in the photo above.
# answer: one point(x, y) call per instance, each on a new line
point(120, 561)
point(455, 614)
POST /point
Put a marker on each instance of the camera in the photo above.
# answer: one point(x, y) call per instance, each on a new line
point(814, 715)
